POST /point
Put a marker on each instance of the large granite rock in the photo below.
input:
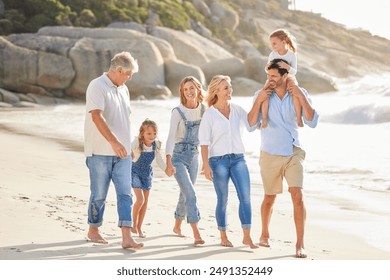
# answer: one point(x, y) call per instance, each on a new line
point(233, 67)
point(24, 69)
point(60, 61)
point(190, 47)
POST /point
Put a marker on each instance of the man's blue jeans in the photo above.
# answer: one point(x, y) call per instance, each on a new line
point(231, 166)
point(103, 169)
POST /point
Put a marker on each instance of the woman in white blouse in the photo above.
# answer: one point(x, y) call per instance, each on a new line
point(222, 152)
point(182, 153)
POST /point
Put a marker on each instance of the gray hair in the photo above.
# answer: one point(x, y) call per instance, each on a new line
point(125, 61)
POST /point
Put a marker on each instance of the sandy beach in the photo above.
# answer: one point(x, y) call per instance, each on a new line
point(44, 190)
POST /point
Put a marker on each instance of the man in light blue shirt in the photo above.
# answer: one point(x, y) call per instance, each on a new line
point(281, 154)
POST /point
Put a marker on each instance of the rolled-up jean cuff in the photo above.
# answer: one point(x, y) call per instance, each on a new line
point(180, 218)
point(125, 224)
point(222, 228)
point(95, 225)
point(247, 226)
point(193, 221)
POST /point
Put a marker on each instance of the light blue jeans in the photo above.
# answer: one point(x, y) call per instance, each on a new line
point(231, 166)
point(185, 160)
point(103, 169)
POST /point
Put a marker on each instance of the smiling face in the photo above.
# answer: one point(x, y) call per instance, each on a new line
point(274, 78)
point(190, 92)
point(225, 91)
point(149, 135)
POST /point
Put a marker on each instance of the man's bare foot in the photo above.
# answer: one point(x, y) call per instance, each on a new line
point(131, 244)
point(95, 237)
point(249, 242)
point(178, 232)
point(226, 243)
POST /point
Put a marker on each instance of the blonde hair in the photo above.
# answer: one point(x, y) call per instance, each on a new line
point(145, 124)
point(212, 89)
point(198, 86)
point(284, 35)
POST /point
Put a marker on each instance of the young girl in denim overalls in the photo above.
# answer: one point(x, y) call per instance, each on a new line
point(145, 149)
point(182, 153)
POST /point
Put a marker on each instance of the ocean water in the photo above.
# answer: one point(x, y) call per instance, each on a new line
point(348, 155)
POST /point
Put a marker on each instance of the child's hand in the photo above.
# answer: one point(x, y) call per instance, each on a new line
point(291, 84)
point(284, 65)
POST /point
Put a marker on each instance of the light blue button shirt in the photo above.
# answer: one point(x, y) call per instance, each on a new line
point(281, 134)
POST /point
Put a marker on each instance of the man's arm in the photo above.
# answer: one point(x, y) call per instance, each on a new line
point(102, 126)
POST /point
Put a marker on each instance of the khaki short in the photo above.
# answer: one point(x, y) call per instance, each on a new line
point(273, 168)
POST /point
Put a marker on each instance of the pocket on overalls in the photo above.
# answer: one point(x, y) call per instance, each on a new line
point(179, 148)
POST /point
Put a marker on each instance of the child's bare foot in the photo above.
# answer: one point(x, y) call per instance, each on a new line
point(300, 123)
point(178, 232)
point(131, 244)
point(249, 242)
point(134, 230)
point(95, 237)
point(141, 233)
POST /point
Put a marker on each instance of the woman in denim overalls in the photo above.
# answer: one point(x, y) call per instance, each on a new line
point(182, 153)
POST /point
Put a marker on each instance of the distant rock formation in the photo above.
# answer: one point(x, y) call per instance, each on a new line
point(60, 61)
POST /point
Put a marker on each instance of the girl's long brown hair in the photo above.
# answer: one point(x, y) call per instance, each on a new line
point(145, 124)
point(283, 34)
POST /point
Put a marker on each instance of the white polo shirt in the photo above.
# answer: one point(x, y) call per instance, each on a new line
point(222, 135)
point(114, 102)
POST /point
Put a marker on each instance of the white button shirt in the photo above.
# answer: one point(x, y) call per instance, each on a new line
point(222, 135)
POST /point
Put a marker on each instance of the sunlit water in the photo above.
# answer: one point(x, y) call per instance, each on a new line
point(348, 154)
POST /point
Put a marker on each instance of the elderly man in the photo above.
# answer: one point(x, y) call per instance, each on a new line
point(108, 146)
point(281, 154)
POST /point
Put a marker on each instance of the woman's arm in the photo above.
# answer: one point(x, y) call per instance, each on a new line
point(208, 173)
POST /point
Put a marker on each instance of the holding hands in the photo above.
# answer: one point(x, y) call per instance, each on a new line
point(170, 169)
point(265, 92)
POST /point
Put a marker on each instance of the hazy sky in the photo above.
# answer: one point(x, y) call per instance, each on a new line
point(372, 15)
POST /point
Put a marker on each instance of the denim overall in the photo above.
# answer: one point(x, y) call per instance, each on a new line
point(142, 172)
point(185, 159)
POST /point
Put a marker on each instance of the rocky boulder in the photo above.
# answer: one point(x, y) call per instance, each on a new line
point(175, 71)
point(233, 67)
point(315, 81)
point(189, 46)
